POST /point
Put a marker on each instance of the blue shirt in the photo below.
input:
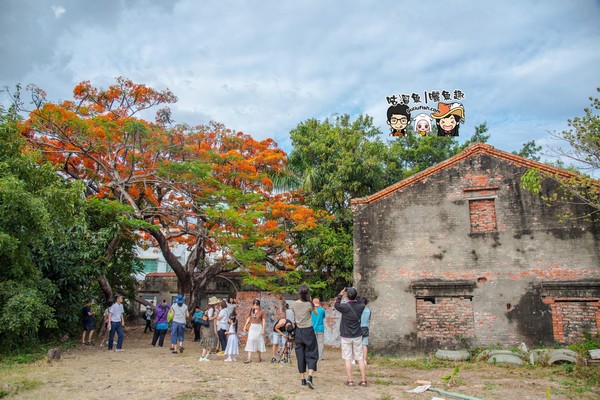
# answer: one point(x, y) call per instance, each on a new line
point(197, 316)
point(365, 317)
point(318, 320)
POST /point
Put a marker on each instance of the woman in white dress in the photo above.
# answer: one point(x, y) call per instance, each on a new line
point(255, 326)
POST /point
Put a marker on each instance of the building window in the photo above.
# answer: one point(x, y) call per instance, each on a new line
point(150, 264)
point(482, 213)
point(445, 319)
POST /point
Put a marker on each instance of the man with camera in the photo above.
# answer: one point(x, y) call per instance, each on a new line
point(351, 333)
point(283, 335)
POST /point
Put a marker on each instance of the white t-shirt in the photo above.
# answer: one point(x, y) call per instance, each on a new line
point(179, 313)
point(223, 320)
point(116, 310)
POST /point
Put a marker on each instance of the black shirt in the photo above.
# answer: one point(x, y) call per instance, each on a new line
point(351, 312)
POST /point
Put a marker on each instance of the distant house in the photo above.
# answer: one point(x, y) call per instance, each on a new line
point(460, 255)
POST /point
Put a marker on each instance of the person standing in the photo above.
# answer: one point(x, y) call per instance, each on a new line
point(255, 326)
point(307, 351)
point(318, 323)
point(231, 307)
point(105, 328)
point(196, 318)
point(222, 325)
point(161, 324)
point(365, 319)
point(208, 336)
point(88, 322)
point(351, 334)
point(233, 344)
point(148, 317)
point(180, 316)
point(117, 323)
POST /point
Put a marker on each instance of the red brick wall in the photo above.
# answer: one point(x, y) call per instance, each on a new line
point(449, 318)
point(483, 215)
point(570, 319)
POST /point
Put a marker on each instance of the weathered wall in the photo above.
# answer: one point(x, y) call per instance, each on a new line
point(470, 222)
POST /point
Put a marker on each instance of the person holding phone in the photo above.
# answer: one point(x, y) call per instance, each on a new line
point(307, 351)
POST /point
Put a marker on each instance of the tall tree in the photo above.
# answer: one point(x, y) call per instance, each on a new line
point(48, 247)
point(338, 159)
point(583, 148)
point(205, 186)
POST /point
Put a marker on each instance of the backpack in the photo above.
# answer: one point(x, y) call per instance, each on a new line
point(170, 316)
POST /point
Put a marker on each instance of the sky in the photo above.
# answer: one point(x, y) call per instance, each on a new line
point(263, 66)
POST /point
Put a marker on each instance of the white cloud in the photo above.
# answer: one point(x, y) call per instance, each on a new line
point(58, 11)
point(264, 66)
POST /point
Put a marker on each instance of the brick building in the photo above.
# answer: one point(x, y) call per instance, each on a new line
point(460, 255)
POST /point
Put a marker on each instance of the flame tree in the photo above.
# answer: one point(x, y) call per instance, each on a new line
point(203, 186)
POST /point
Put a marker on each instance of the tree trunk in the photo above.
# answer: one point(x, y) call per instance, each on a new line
point(105, 286)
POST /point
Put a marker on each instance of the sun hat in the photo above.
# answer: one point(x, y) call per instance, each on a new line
point(449, 109)
point(213, 300)
point(179, 299)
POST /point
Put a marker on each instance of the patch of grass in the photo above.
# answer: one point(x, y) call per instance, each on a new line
point(489, 386)
point(590, 342)
point(386, 397)
point(19, 387)
point(194, 396)
point(382, 382)
point(30, 353)
point(419, 363)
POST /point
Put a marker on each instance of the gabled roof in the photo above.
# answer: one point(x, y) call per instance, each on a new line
point(471, 151)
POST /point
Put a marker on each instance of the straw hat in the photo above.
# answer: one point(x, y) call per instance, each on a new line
point(213, 300)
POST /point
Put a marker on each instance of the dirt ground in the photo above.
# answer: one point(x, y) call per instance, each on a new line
point(144, 372)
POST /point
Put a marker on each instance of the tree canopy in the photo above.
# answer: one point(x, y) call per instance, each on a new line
point(336, 160)
point(203, 186)
point(582, 141)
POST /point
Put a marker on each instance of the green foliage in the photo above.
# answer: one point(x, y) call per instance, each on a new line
point(583, 140)
point(334, 161)
point(530, 150)
point(453, 379)
point(532, 181)
point(52, 244)
point(590, 342)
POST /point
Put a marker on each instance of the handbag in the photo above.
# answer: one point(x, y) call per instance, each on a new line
point(204, 321)
point(170, 316)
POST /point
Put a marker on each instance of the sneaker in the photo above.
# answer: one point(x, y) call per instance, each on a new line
point(309, 382)
point(273, 360)
point(353, 362)
point(220, 353)
point(119, 350)
point(303, 382)
point(284, 360)
point(228, 360)
point(173, 351)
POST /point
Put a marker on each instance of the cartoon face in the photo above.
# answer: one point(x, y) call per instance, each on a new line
point(398, 122)
point(448, 123)
point(423, 126)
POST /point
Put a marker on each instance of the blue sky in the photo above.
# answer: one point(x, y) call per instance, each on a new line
point(264, 66)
